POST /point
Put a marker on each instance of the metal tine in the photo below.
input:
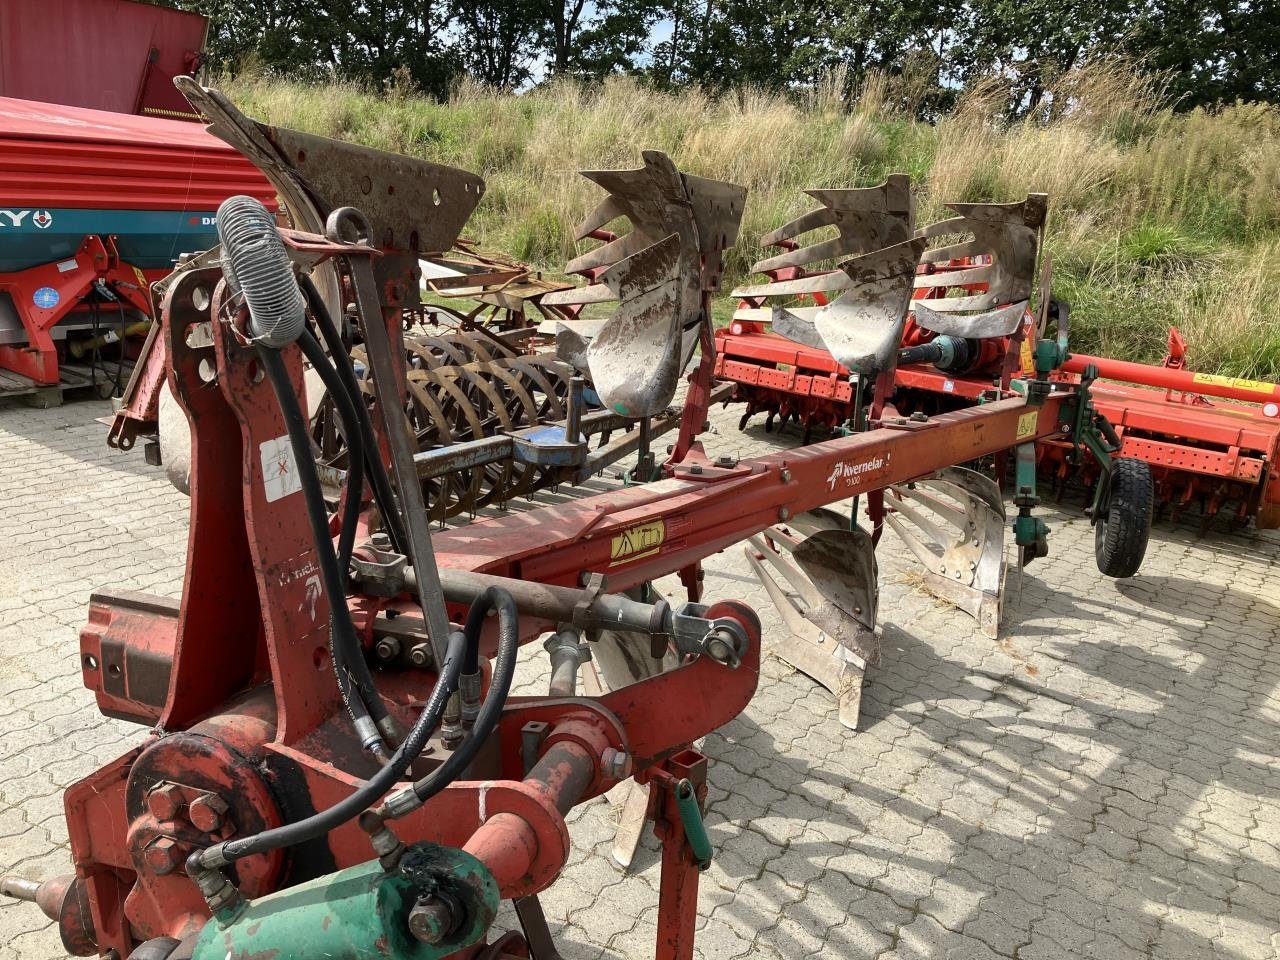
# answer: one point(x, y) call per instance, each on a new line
point(794, 575)
point(924, 523)
point(866, 218)
point(1008, 235)
point(952, 513)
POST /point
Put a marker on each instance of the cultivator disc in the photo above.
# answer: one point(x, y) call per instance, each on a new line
point(954, 522)
point(1001, 240)
point(822, 577)
point(659, 273)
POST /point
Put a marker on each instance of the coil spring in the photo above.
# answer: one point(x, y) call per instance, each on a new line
point(257, 265)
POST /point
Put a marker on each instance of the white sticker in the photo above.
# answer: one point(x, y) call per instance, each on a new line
point(279, 478)
point(66, 266)
point(948, 386)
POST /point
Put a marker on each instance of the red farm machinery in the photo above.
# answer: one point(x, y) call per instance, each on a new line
point(101, 188)
point(1208, 439)
point(333, 763)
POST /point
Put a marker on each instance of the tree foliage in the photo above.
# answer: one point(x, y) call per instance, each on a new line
point(1211, 51)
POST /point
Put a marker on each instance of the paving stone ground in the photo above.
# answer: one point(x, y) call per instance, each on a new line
point(1101, 782)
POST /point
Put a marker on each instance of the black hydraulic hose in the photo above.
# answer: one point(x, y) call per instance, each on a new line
point(367, 794)
point(383, 492)
point(355, 682)
point(504, 668)
point(354, 436)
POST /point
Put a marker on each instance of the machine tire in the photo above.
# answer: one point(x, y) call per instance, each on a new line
point(1120, 536)
point(160, 948)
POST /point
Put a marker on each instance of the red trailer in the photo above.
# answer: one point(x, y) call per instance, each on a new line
point(116, 55)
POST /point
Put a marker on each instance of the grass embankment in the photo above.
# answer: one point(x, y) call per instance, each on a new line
point(1156, 218)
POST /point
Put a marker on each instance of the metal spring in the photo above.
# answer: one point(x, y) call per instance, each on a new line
point(257, 265)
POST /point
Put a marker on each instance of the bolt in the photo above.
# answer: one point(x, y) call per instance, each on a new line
point(722, 647)
point(786, 474)
point(380, 541)
point(162, 856)
point(919, 417)
point(696, 469)
point(388, 648)
point(208, 813)
point(165, 801)
point(615, 763)
point(783, 513)
point(431, 920)
point(420, 654)
point(725, 461)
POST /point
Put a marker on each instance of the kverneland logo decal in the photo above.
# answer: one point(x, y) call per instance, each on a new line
point(846, 473)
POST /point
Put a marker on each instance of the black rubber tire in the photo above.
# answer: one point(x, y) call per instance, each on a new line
point(1120, 536)
point(161, 948)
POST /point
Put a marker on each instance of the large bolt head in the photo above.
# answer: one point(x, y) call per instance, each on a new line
point(162, 856)
point(431, 920)
point(208, 813)
point(165, 801)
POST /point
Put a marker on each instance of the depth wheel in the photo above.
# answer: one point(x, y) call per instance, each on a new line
point(1120, 536)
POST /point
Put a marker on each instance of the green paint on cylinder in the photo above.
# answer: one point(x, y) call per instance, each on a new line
point(360, 913)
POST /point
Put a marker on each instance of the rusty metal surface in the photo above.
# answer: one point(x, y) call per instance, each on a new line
point(1002, 240)
point(412, 204)
point(660, 273)
point(865, 219)
point(862, 328)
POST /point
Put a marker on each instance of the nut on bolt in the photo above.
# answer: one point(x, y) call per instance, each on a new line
point(388, 648)
point(432, 919)
point(615, 763)
point(208, 813)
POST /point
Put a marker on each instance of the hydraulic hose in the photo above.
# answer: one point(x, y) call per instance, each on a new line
point(355, 682)
point(375, 468)
point(504, 668)
point(354, 436)
point(366, 795)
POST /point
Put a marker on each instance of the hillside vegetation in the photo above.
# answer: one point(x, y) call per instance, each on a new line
point(1156, 218)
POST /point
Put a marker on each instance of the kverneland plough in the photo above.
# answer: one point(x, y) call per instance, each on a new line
point(1197, 449)
point(290, 801)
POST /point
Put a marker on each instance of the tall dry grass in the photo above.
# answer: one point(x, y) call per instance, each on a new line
point(1156, 217)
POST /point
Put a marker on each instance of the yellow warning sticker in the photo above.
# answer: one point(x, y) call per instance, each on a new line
point(142, 278)
point(1025, 358)
point(642, 540)
point(1027, 425)
point(1235, 383)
